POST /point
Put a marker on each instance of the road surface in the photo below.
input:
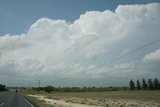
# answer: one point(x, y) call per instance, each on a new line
point(13, 99)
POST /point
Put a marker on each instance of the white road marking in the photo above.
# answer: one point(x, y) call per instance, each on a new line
point(1, 104)
point(27, 102)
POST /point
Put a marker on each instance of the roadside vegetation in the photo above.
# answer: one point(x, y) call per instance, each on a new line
point(2, 87)
point(36, 102)
point(144, 93)
point(144, 98)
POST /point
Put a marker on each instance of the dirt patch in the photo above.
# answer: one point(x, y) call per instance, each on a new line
point(60, 102)
point(88, 102)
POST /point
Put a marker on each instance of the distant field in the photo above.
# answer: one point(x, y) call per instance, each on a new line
point(102, 99)
point(129, 95)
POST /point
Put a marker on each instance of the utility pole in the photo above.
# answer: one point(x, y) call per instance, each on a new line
point(39, 83)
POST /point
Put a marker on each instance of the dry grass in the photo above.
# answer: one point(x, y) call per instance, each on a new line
point(106, 99)
point(37, 102)
point(117, 95)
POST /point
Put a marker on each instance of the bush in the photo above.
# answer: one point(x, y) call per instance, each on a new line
point(49, 89)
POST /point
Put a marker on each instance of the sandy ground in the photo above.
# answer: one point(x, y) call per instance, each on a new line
point(60, 103)
point(85, 102)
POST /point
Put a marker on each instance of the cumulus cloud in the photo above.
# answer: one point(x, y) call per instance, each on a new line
point(153, 56)
point(59, 49)
point(152, 62)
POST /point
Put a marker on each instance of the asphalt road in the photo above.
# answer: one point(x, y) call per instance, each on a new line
point(13, 99)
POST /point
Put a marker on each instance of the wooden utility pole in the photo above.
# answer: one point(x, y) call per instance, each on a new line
point(39, 83)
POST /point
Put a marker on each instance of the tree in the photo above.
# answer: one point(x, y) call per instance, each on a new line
point(138, 85)
point(131, 85)
point(150, 84)
point(156, 84)
point(144, 84)
point(2, 87)
point(49, 89)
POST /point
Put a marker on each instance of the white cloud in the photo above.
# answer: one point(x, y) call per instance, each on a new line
point(151, 62)
point(56, 48)
point(153, 56)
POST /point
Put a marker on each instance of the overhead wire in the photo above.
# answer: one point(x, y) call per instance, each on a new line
point(117, 58)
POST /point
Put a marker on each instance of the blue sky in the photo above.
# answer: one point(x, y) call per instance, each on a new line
point(23, 13)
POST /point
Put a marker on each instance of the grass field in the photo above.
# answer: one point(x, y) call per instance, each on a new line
point(107, 98)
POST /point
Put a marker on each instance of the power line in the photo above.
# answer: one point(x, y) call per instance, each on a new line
point(117, 58)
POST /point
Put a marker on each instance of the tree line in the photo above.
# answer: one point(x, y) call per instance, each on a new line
point(2, 87)
point(133, 85)
point(78, 89)
point(145, 84)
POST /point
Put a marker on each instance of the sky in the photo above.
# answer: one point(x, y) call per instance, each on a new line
point(23, 13)
point(63, 42)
